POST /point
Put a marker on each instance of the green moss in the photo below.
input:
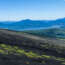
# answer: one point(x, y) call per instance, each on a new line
point(60, 59)
point(15, 47)
point(31, 54)
point(3, 45)
point(20, 51)
point(8, 49)
point(1, 51)
point(63, 63)
point(46, 56)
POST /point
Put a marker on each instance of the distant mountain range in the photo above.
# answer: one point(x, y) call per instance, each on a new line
point(33, 24)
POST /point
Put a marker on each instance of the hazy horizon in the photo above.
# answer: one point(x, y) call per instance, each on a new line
point(15, 10)
point(31, 19)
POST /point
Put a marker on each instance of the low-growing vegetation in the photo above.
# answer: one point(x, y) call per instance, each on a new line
point(8, 49)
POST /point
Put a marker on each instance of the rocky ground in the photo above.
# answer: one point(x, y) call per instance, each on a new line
point(23, 49)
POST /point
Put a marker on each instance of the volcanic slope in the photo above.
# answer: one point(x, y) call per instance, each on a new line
point(18, 48)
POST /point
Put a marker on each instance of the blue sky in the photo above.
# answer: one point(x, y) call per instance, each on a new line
point(31, 9)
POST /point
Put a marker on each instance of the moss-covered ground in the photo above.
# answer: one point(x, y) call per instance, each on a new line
point(33, 58)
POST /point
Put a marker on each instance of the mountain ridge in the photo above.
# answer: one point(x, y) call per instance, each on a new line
point(29, 24)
